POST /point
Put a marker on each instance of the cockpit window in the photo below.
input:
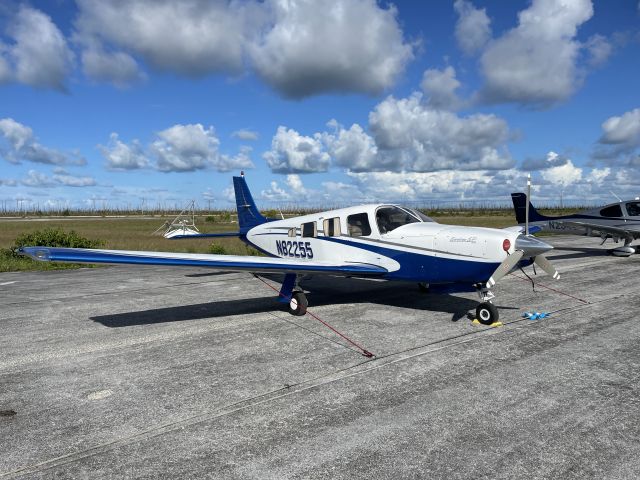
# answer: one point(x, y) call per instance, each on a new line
point(633, 209)
point(390, 218)
point(612, 211)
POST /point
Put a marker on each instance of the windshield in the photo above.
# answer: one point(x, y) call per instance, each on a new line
point(420, 215)
point(390, 218)
point(633, 209)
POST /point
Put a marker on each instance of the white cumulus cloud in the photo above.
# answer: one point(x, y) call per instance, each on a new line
point(473, 28)
point(180, 148)
point(620, 140)
point(186, 148)
point(294, 153)
point(563, 175)
point(39, 55)
point(74, 181)
point(37, 179)
point(343, 46)
point(246, 135)
point(413, 137)
point(353, 148)
point(440, 87)
point(118, 68)
point(120, 156)
point(191, 37)
point(623, 129)
point(535, 63)
point(21, 144)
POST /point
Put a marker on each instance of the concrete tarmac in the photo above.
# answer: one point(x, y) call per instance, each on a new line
point(153, 372)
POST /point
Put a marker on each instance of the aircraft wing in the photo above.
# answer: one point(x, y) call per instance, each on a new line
point(221, 262)
point(621, 232)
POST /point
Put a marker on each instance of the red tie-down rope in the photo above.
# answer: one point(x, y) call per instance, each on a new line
point(364, 351)
point(552, 289)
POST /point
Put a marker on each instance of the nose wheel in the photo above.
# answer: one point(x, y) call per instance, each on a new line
point(298, 304)
point(487, 313)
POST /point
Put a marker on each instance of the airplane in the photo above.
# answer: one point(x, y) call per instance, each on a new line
point(618, 221)
point(380, 241)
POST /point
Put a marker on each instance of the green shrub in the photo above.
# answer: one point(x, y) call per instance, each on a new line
point(217, 249)
point(252, 252)
point(53, 237)
point(210, 219)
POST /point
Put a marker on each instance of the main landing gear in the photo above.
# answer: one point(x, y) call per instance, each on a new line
point(293, 295)
point(486, 312)
point(625, 251)
point(298, 304)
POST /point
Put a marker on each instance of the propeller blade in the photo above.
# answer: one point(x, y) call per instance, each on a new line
point(546, 265)
point(505, 267)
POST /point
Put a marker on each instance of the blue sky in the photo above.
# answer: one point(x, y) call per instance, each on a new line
point(321, 103)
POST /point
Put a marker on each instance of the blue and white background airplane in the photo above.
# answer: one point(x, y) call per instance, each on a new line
point(378, 240)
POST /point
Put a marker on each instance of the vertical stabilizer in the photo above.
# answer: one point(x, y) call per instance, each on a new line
point(520, 205)
point(248, 214)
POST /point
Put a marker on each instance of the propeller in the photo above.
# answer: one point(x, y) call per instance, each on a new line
point(546, 265)
point(525, 247)
point(505, 267)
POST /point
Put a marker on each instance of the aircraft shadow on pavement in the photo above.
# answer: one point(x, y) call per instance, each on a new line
point(579, 252)
point(322, 293)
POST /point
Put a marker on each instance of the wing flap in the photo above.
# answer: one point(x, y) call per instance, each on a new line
point(222, 262)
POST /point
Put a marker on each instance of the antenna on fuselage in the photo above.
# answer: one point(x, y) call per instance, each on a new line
point(619, 199)
point(526, 213)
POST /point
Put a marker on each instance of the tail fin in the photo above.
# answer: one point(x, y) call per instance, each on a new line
point(520, 207)
point(248, 214)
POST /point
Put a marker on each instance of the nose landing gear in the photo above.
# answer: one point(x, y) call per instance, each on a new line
point(486, 312)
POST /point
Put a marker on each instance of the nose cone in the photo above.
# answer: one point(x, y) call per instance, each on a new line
point(531, 246)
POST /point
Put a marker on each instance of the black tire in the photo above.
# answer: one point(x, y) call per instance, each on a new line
point(487, 313)
point(423, 287)
point(298, 304)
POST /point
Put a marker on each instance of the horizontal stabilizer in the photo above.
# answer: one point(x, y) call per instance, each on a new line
point(206, 235)
point(520, 228)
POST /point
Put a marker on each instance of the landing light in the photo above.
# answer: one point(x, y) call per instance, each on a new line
point(506, 245)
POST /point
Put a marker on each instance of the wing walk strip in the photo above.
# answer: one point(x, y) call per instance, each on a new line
point(359, 369)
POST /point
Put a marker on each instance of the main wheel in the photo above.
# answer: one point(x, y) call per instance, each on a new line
point(487, 313)
point(298, 304)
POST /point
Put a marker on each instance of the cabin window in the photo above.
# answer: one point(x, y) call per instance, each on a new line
point(309, 229)
point(332, 227)
point(292, 232)
point(358, 225)
point(611, 211)
point(390, 218)
point(633, 209)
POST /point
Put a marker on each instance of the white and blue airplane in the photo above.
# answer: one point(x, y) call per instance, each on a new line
point(381, 241)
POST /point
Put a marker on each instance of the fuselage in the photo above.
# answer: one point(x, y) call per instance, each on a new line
point(623, 215)
point(408, 244)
